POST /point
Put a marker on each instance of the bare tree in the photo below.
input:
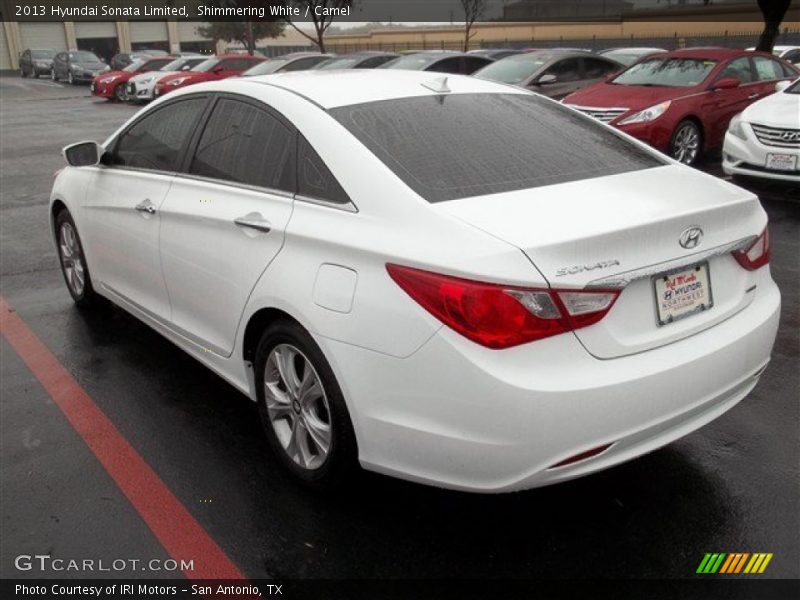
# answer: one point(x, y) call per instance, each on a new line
point(773, 12)
point(473, 10)
point(322, 13)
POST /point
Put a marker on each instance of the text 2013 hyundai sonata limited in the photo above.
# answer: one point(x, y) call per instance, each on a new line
point(440, 278)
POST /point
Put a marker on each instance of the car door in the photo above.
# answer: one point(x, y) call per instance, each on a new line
point(720, 105)
point(59, 64)
point(125, 196)
point(224, 218)
point(25, 64)
point(567, 73)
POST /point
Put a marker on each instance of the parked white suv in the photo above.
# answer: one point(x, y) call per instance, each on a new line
point(440, 277)
point(764, 139)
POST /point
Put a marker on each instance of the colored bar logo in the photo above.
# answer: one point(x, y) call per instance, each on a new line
point(734, 563)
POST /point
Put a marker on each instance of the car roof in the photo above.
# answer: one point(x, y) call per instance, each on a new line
point(334, 88)
point(712, 53)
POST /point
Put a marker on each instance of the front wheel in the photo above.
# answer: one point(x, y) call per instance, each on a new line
point(70, 78)
point(686, 143)
point(53, 75)
point(121, 93)
point(302, 408)
point(73, 261)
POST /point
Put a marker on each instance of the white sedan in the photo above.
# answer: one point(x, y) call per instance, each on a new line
point(141, 87)
point(440, 278)
point(764, 139)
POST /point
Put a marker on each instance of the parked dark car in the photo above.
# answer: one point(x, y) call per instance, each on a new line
point(296, 61)
point(555, 74)
point(440, 61)
point(35, 62)
point(77, 66)
point(123, 59)
point(496, 53)
point(358, 60)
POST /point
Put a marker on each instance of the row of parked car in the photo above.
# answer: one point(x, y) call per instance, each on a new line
point(680, 102)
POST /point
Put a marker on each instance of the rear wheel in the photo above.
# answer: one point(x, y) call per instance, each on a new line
point(687, 143)
point(73, 261)
point(302, 409)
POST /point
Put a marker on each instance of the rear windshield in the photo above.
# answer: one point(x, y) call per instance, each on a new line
point(461, 145)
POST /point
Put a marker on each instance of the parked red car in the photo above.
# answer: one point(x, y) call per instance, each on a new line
point(113, 84)
point(681, 102)
point(216, 67)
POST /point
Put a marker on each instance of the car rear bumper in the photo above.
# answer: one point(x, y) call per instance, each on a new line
point(457, 415)
point(740, 157)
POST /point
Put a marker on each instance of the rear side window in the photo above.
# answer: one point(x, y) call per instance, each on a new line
point(455, 146)
point(565, 70)
point(767, 69)
point(595, 68)
point(155, 141)
point(245, 144)
point(314, 179)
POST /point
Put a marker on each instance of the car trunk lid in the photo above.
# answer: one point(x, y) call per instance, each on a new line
point(622, 231)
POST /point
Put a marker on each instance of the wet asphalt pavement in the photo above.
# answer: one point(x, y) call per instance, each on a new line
point(732, 486)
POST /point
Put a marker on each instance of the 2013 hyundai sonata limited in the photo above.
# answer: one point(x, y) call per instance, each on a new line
point(438, 277)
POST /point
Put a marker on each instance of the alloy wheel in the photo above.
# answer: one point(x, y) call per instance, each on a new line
point(686, 144)
point(71, 259)
point(297, 407)
point(120, 93)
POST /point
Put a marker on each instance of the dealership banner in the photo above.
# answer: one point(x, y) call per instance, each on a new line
point(384, 11)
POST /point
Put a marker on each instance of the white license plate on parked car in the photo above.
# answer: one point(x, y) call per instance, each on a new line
point(781, 162)
point(682, 293)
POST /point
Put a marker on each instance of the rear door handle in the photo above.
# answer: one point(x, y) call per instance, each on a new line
point(255, 221)
point(146, 206)
point(751, 96)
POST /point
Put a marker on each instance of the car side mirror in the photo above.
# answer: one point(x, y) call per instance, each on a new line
point(83, 154)
point(218, 69)
point(546, 79)
point(727, 83)
point(782, 85)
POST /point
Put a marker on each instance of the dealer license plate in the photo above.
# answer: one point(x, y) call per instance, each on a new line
point(781, 162)
point(682, 293)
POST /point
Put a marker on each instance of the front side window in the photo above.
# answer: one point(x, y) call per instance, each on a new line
point(156, 140)
point(245, 144)
point(83, 57)
point(447, 147)
point(738, 69)
point(667, 72)
point(595, 68)
point(565, 70)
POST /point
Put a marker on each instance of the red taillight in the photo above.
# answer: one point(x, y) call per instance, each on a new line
point(500, 316)
point(756, 255)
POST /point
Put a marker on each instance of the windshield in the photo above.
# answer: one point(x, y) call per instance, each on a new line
point(134, 66)
point(43, 53)
point(339, 63)
point(266, 67)
point(793, 89)
point(514, 69)
point(413, 62)
point(83, 57)
point(446, 147)
point(175, 65)
point(206, 65)
point(667, 72)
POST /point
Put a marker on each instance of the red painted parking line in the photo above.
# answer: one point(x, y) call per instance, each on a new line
point(175, 528)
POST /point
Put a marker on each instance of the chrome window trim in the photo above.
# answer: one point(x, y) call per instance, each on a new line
point(237, 184)
point(347, 207)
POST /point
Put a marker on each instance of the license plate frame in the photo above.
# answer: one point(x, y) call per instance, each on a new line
point(790, 161)
point(702, 275)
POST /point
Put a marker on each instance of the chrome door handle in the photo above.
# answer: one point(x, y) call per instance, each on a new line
point(146, 206)
point(255, 221)
point(751, 96)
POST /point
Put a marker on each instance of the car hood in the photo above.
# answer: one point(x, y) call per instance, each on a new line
point(153, 74)
point(91, 66)
point(117, 74)
point(634, 97)
point(778, 110)
point(191, 76)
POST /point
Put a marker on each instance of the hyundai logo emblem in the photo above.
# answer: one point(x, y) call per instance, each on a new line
point(690, 238)
point(791, 136)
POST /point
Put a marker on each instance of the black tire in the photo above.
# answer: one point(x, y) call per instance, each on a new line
point(341, 461)
point(84, 296)
point(687, 135)
point(120, 93)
